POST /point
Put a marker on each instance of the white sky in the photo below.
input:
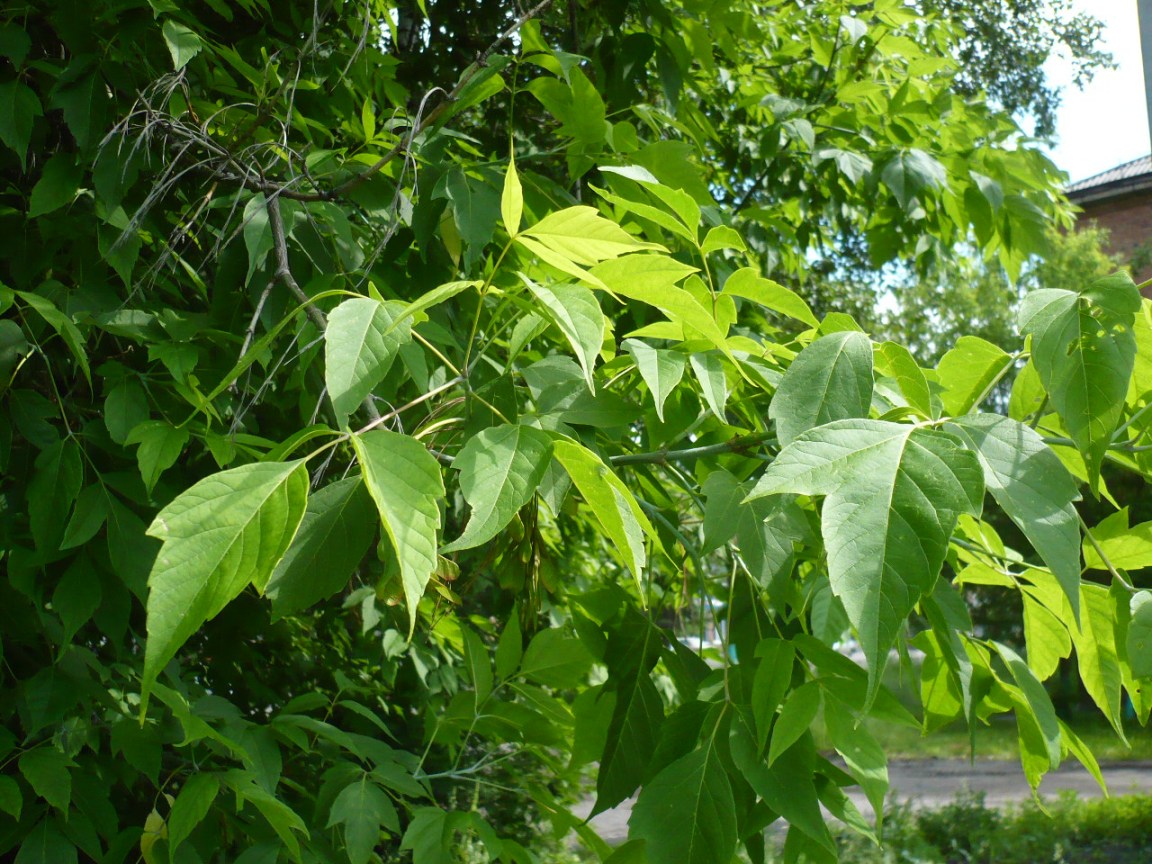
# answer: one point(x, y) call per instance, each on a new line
point(1106, 124)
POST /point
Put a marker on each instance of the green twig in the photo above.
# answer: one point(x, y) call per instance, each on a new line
point(664, 456)
point(1116, 574)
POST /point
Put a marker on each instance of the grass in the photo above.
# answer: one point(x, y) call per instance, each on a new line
point(1072, 831)
point(997, 740)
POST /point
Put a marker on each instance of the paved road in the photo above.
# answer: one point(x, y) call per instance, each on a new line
point(934, 782)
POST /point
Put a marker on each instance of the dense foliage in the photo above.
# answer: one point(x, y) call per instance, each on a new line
point(376, 420)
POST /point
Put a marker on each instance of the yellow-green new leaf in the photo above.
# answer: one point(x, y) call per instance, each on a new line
point(896, 361)
point(226, 532)
point(584, 237)
point(623, 521)
point(750, 285)
point(968, 372)
point(512, 200)
point(404, 481)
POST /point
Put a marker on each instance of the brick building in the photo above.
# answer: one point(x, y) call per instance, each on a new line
point(1120, 200)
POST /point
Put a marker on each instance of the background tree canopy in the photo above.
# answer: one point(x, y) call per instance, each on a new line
point(387, 391)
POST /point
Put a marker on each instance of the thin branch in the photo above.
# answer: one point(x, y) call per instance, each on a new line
point(664, 456)
point(1108, 565)
point(395, 412)
point(465, 79)
point(1122, 447)
point(283, 271)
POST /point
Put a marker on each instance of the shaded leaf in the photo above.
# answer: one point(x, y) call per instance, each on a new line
point(687, 812)
point(336, 532)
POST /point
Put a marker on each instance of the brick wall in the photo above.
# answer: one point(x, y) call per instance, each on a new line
point(1129, 223)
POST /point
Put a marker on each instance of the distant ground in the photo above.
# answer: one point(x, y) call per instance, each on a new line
point(934, 782)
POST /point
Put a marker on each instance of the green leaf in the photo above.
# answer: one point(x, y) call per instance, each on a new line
point(796, 716)
point(362, 807)
point(182, 43)
point(620, 517)
point(57, 187)
point(476, 208)
point(556, 660)
point(46, 845)
point(512, 200)
point(750, 285)
point(1140, 635)
point(660, 368)
point(897, 362)
point(637, 712)
point(125, 408)
point(713, 384)
point(651, 279)
point(161, 444)
point(81, 93)
point(1045, 635)
point(1084, 349)
point(1126, 548)
point(478, 665)
point(19, 108)
point(404, 481)
point(360, 344)
point(257, 234)
point(829, 380)
point(335, 534)
point(770, 683)
point(576, 312)
point(510, 648)
point(1096, 655)
point(722, 237)
point(862, 754)
point(500, 470)
point(910, 172)
point(11, 798)
point(46, 770)
point(63, 325)
point(55, 483)
point(282, 818)
point(894, 493)
point(647, 211)
point(229, 530)
point(190, 808)
point(787, 786)
point(1031, 485)
point(968, 371)
point(433, 298)
point(687, 812)
point(1035, 716)
point(77, 596)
